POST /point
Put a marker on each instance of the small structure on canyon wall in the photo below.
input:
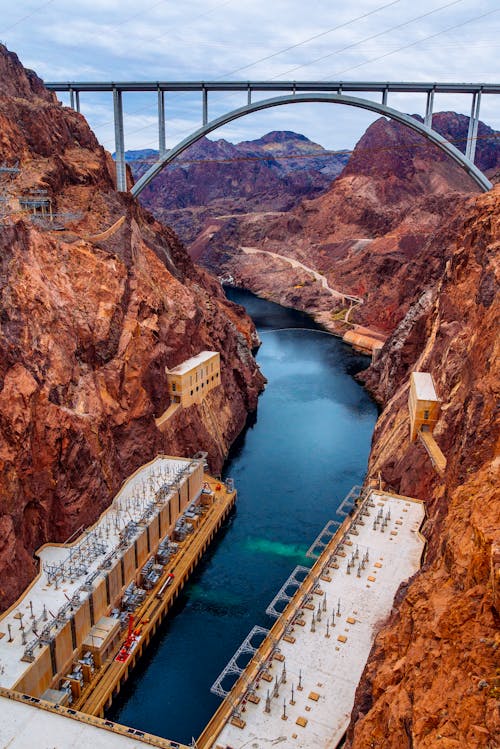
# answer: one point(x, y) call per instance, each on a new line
point(423, 403)
point(425, 408)
point(190, 381)
point(38, 203)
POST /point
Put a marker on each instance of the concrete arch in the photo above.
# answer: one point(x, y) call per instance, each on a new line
point(313, 98)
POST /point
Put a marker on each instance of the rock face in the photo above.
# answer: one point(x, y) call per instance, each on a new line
point(89, 319)
point(432, 679)
point(215, 178)
point(369, 234)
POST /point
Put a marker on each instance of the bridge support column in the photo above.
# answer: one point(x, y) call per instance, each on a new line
point(249, 96)
point(77, 100)
point(72, 98)
point(205, 106)
point(470, 150)
point(384, 97)
point(428, 109)
point(121, 173)
point(162, 150)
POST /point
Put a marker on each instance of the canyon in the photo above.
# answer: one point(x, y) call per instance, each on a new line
point(406, 231)
point(213, 178)
point(92, 314)
point(432, 678)
point(368, 235)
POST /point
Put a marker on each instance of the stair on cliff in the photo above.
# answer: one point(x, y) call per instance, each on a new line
point(216, 433)
point(162, 420)
point(434, 451)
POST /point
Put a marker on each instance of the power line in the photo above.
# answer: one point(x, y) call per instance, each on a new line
point(413, 44)
point(187, 22)
point(149, 39)
point(312, 38)
point(29, 15)
point(137, 15)
point(368, 38)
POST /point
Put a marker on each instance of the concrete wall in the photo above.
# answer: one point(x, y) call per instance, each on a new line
point(100, 599)
point(64, 648)
point(38, 678)
point(142, 549)
point(129, 564)
point(82, 620)
point(115, 582)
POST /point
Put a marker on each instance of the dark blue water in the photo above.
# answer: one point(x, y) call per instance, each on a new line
point(299, 456)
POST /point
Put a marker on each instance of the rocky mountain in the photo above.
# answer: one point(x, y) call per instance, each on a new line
point(93, 305)
point(432, 679)
point(214, 178)
point(368, 236)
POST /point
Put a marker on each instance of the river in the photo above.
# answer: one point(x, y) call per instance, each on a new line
point(296, 460)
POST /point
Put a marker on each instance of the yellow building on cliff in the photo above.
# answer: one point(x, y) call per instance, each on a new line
point(423, 404)
point(190, 381)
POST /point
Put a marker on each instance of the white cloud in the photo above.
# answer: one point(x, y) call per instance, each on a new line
point(161, 40)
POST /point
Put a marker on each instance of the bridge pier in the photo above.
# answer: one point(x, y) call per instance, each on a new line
point(428, 109)
point(470, 150)
point(205, 106)
point(74, 99)
point(121, 173)
point(162, 150)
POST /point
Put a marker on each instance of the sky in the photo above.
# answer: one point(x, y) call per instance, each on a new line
point(370, 40)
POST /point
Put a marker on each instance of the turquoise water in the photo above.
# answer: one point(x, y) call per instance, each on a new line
point(296, 460)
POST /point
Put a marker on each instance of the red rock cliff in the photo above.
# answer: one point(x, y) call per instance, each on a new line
point(369, 234)
point(432, 679)
point(89, 319)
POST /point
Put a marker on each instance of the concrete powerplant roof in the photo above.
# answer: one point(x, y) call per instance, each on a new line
point(310, 683)
point(424, 386)
point(193, 362)
point(24, 725)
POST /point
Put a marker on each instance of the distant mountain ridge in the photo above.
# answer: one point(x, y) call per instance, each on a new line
point(366, 233)
point(213, 178)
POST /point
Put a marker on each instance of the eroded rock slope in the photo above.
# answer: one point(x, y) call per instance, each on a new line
point(90, 315)
point(370, 234)
point(433, 676)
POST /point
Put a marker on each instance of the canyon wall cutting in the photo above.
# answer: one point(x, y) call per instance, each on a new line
point(90, 316)
point(432, 679)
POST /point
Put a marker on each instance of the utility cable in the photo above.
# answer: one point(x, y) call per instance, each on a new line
point(29, 15)
point(413, 44)
point(368, 38)
point(311, 38)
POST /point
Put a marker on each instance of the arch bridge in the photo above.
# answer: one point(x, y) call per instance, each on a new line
point(291, 92)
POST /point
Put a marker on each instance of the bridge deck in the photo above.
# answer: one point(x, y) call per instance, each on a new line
point(380, 86)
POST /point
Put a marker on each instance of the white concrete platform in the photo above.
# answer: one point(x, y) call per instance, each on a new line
point(25, 726)
point(42, 600)
point(329, 667)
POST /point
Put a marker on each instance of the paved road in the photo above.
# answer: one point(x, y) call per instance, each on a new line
point(297, 264)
